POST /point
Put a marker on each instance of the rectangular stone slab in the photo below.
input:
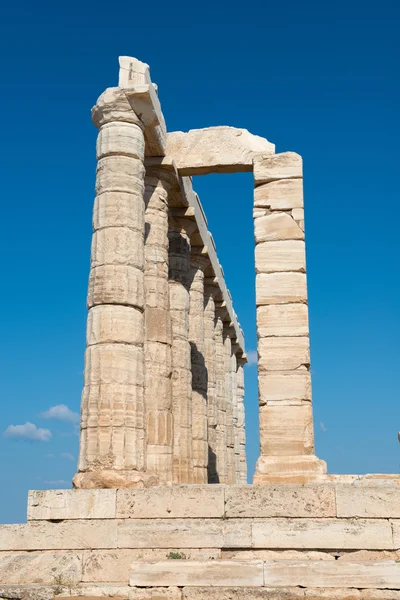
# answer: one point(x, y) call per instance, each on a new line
point(59, 536)
point(344, 534)
point(115, 565)
point(170, 502)
point(185, 572)
point(286, 165)
point(248, 593)
point(333, 574)
point(356, 501)
point(40, 567)
point(184, 533)
point(71, 504)
point(280, 501)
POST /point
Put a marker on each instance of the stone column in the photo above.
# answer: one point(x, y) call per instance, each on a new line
point(199, 371)
point(236, 441)
point(210, 361)
point(220, 399)
point(230, 441)
point(241, 419)
point(112, 442)
point(286, 422)
point(179, 233)
point(158, 338)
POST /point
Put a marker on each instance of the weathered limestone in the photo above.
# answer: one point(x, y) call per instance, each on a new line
point(282, 320)
point(236, 438)
point(230, 433)
point(71, 504)
point(215, 149)
point(199, 262)
point(241, 419)
point(40, 568)
point(355, 501)
point(169, 502)
point(143, 423)
point(134, 79)
point(158, 333)
point(366, 497)
point(288, 255)
point(221, 433)
point(179, 281)
point(331, 574)
point(189, 529)
point(287, 165)
point(184, 533)
point(347, 534)
point(213, 573)
point(210, 364)
point(286, 424)
point(67, 535)
point(112, 450)
point(280, 501)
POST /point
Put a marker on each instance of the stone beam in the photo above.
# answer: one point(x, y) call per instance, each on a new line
point(134, 80)
point(215, 150)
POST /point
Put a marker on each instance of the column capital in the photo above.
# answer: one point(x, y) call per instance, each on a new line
point(241, 359)
point(229, 331)
point(160, 176)
point(183, 225)
point(113, 105)
point(199, 257)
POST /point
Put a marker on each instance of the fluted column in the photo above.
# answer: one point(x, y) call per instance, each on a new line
point(284, 380)
point(241, 419)
point(179, 233)
point(220, 399)
point(158, 338)
point(210, 362)
point(230, 442)
point(112, 441)
point(199, 371)
point(236, 441)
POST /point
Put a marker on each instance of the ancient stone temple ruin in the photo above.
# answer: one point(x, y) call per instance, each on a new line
point(161, 508)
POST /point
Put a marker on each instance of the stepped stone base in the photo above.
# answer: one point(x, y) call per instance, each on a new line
point(339, 539)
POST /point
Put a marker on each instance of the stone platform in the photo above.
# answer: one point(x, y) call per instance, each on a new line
point(337, 539)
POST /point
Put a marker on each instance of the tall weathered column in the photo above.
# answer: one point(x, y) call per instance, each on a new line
point(179, 233)
point(158, 338)
point(286, 422)
point(220, 387)
point(210, 362)
point(241, 419)
point(236, 441)
point(230, 440)
point(199, 371)
point(112, 443)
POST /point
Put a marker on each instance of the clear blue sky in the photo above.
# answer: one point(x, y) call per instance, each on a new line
point(320, 79)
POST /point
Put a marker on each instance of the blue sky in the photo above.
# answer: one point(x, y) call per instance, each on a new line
point(317, 78)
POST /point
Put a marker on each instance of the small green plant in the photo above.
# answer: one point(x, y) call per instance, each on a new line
point(59, 584)
point(176, 555)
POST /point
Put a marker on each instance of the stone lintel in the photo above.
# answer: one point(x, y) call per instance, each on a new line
point(216, 150)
